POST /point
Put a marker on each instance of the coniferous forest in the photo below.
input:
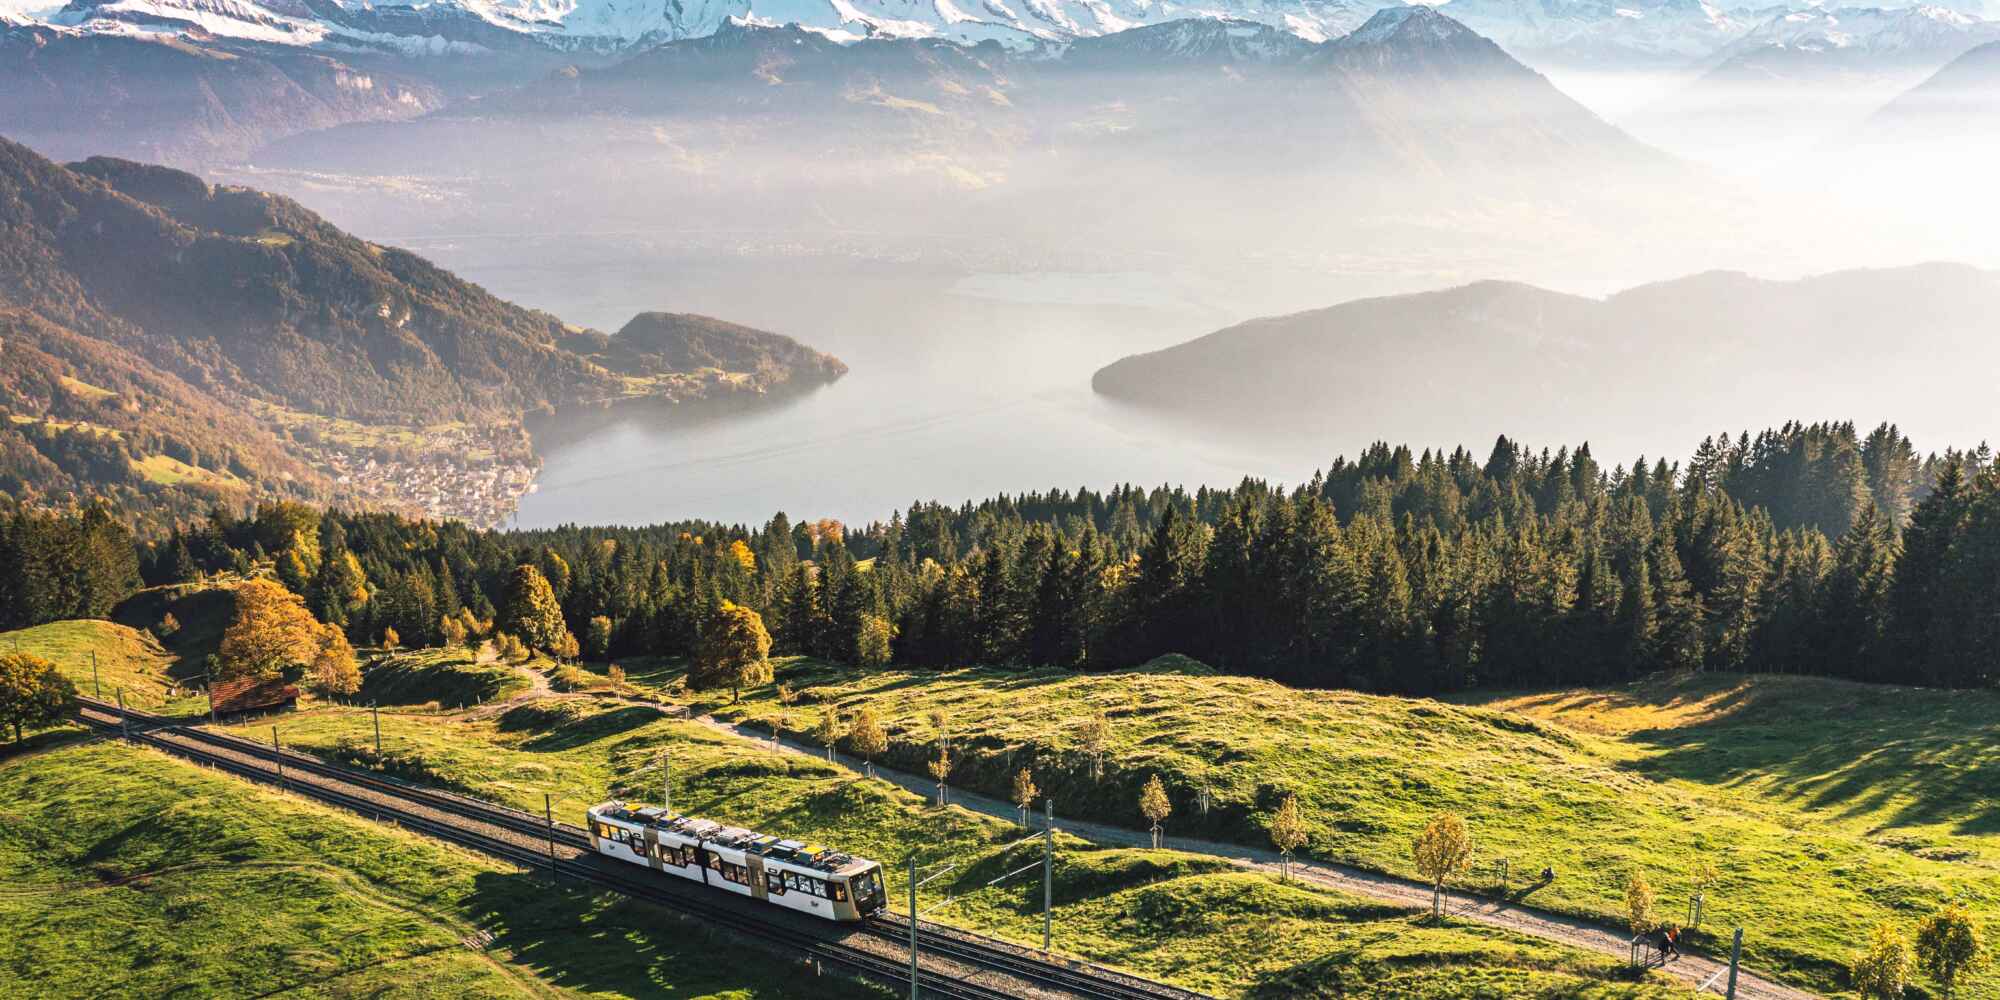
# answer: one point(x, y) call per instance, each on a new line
point(1807, 549)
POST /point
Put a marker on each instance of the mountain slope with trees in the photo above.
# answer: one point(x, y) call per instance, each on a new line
point(171, 341)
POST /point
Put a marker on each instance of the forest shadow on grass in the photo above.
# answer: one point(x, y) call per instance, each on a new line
point(603, 943)
point(1894, 756)
point(570, 734)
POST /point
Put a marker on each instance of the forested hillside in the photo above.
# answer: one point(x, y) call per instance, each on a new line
point(171, 344)
point(1804, 549)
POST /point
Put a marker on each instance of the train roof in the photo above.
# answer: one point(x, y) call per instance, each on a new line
point(796, 852)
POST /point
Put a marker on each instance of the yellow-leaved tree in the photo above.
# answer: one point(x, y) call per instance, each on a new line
point(734, 651)
point(867, 738)
point(1288, 831)
point(1024, 793)
point(1154, 806)
point(1442, 852)
point(1883, 970)
point(272, 632)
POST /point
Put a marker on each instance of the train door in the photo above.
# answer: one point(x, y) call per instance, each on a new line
point(755, 863)
point(651, 845)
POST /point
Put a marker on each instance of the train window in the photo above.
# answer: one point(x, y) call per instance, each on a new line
point(839, 891)
point(819, 888)
point(715, 861)
point(774, 883)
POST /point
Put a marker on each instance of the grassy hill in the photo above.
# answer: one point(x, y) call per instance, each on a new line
point(1186, 917)
point(145, 876)
point(450, 677)
point(1824, 807)
point(126, 659)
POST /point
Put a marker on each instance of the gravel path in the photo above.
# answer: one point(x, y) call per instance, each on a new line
point(1694, 968)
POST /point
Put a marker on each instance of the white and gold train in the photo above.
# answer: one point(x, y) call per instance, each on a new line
point(805, 877)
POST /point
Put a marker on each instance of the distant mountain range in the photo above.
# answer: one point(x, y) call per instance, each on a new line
point(166, 339)
point(202, 81)
point(1202, 111)
point(1960, 100)
point(1436, 366)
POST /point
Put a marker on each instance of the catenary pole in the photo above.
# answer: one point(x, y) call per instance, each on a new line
point(95, 687)
point(549, 814)
point(913, 927)
point(376, 710)
point(124, 725)
point(278, 754)
point(1048, 866)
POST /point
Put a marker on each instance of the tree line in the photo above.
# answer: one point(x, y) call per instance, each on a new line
point(1802, 549)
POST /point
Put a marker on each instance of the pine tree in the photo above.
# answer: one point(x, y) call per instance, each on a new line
point(1935, 525)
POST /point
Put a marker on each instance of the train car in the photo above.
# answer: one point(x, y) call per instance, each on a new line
point(809, 878)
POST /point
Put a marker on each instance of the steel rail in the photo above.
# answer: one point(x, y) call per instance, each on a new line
point(1083, 979)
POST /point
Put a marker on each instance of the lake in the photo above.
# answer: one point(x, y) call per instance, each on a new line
point(962, 386)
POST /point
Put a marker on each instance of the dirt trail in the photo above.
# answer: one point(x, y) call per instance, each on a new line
point(1694, 968)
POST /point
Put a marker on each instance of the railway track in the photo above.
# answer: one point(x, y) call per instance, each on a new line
point(534, 842)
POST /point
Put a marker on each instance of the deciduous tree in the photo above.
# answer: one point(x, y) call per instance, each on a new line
point(272, 632)
point(874, 641)
point(333, 670)
point(32, 692)
point(1949, 947)
point(1153, 804)
point(597, 637)
point(1639, 904)
point(1288, 831)
point(1024, 793)
point(530, 610)
point(1884, 968)
point(1442, 852)
point(828, 731)
point(734, 651)
point(1093, 737)
point(866, 737)
point(940, 770)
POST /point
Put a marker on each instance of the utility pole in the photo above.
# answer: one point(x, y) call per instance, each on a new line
point(549, 813)
point(1048, 866)
point(96, 688)
point(667, 782)
point(278, 754)
point(1735, 958)
point(914, 884)
point(376, 711)
point(124, 724)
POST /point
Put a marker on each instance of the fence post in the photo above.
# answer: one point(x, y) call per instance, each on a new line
point(1735, 959)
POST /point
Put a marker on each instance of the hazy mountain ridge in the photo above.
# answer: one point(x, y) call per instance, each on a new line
point(1959, 98)
point(1439, 362)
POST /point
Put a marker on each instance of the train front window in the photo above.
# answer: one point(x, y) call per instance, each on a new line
point(839, 891)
